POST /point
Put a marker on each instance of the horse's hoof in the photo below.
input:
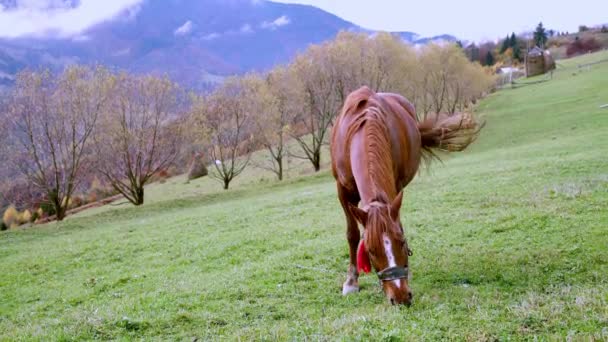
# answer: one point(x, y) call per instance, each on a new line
point(346, 289)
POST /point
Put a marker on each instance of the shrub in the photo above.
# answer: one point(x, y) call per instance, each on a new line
point(604, 29)
point(36, 215)
point(584, 45)
point(25, 217)
point(163, 174)
point(197, 168)
point(11, 217)
point(98, 191)
point(76, 201)
point(48, 208)
point(92, 197)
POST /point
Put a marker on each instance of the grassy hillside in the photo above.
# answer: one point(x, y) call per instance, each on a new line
point(509, 241)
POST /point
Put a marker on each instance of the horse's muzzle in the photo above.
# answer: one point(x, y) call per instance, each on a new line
point(407, 300)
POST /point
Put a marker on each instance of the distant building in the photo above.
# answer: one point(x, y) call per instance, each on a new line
point(507, 70)
point(538, 62)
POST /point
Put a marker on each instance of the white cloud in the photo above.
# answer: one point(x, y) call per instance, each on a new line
point(278, 22)
point(243, 30)
point(81, 38)
point(184, 29)
point(44, 17)
point(246, 29)
point(211, 36)
point(281, 21)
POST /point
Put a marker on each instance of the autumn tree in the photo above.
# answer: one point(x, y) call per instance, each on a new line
point(449, 81)
point(580, 46)
point(436, 62)
point(51, 123)
point(275, 100)
point(379, 62)
point(320, 103)
point(140, 133)
point(393, 65)
point(327, 73)
point(225, 117)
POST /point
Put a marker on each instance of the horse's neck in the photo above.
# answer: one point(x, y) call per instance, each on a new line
point(371, 162)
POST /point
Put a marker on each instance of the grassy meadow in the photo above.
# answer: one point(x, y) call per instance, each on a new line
point(510, 242)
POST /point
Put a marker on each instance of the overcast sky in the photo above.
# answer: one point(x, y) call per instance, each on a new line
point(466, 19)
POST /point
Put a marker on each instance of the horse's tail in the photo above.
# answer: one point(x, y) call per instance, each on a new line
point(448, 133)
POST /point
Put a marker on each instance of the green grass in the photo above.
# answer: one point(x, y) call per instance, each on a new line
point(584, 59)
point(510, 242)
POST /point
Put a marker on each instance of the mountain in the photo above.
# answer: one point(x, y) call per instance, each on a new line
point(194, 42)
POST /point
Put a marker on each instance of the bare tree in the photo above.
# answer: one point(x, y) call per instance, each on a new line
point(320, 103)
point(52, 120)
point(382, 63)
point(140, 134)
point(225, 118)
point(327, 73)
point(274, 117)
point(449, 82)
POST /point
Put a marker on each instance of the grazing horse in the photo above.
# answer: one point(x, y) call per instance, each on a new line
point(377, 144)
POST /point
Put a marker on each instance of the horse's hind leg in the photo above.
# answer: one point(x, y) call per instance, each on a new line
point(352, 235)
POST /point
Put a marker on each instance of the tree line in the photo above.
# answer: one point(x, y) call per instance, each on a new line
point(512, 49)
point(64, 132)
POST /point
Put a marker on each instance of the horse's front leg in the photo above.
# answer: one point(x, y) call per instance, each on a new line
point(353, 236)
point(352, 276)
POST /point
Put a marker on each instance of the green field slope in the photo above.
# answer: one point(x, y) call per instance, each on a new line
point(510, 241)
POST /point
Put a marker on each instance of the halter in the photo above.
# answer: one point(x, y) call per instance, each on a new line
point(394, 272)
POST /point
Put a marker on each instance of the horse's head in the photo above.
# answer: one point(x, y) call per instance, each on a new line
point(386, 245)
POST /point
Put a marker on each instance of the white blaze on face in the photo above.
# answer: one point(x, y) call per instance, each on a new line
point(388, 250)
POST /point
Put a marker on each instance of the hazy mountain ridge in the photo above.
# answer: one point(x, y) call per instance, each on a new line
point(191, 41)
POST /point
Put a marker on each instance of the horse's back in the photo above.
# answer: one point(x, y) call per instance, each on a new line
point(399, 116)
point(405, 138)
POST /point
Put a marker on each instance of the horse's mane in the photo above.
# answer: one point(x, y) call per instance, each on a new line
point(369, 111)
point(378, 219)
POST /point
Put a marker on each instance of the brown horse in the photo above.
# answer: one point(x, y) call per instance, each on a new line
point(376, 147)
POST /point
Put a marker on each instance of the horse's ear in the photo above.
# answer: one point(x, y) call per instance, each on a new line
point(396, 206)
point(360, 214)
